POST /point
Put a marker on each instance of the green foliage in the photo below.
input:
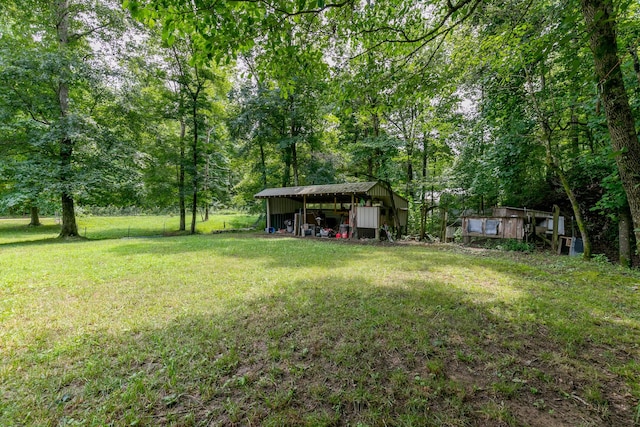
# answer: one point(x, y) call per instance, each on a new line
point(283, 136)
point(514, 245)
point(466, 105)
point(600, 258)
point(38, 65)
point(117, 223)
point(614, 199)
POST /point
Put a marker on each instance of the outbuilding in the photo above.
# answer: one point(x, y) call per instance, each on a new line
point(522, 224)
point(357, 209)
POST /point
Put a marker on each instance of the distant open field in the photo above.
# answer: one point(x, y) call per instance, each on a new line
point(109, 227)
point(251, 329)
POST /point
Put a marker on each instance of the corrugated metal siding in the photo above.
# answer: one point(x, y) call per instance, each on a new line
point(281, 205)
point(400, 202)
point(368, 217)
point(403, 217)
point(348, 188)
point(378, 191)
point(381, 192)
point(373, 190)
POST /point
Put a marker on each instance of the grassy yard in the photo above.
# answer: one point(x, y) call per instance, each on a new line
point(110, 227)
point(263, 330)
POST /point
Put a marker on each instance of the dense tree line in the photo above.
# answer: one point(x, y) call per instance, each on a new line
point(190, 105)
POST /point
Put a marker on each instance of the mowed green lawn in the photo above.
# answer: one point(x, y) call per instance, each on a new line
point(262, 330)
point(111, 227)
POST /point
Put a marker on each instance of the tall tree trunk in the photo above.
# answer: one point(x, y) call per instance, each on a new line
point(294, 163)
point(181, 186)
point(294, 132)
point(586, 241)
point(205, 188)
point(206, 179)
point(194, 159)
point(263, 166)
point(575, 135)
point(575, 206)
point(286, 176)
point(410, 190)
point(423, 195)
point(633, 50)
point(375, 158)
point(410, 138)
point(624, 237)
point(554, 165)
point(600, 20)
point(286, 152)
point(35, 217)
point(69, 226)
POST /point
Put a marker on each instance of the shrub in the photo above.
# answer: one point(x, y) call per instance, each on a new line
point(514, 245)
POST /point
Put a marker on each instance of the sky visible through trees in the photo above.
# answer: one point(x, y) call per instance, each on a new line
point(188, 106)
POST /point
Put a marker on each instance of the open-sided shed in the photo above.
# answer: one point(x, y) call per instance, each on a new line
point(359, 208)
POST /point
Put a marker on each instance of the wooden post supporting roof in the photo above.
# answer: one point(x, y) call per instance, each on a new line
point(268, 214)
point(554, 235)
point(304, 209)
point(352, 219)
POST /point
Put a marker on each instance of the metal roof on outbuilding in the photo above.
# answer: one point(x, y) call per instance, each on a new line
point(327, 189)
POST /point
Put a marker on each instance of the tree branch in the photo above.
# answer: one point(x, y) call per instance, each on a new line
point(78, 36)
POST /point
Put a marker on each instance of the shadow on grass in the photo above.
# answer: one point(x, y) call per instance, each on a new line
point(20, 234)
point(124, 232)
point(10, 229)
point(535, 288)
point(242, 245)
point(330, 351)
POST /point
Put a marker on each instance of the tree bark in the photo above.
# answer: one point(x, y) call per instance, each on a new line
point(423, 187)
point(294, 163)
point(600, 21)
point(636, 64)
point(69, 226)
point(35, 217)
point(181, 189)
point(624, 238)
point(586, 241)
point(555, 166)
point(194, 159)
point(206, 184)
point(263, 166)
point(286, 176)
point(294, 132)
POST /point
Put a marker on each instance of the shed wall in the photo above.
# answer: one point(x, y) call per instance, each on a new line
point(368, 217)
point(381, 192)
point(378, 191)
point(403, 217)
point(507, 228)
point(283, 205)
